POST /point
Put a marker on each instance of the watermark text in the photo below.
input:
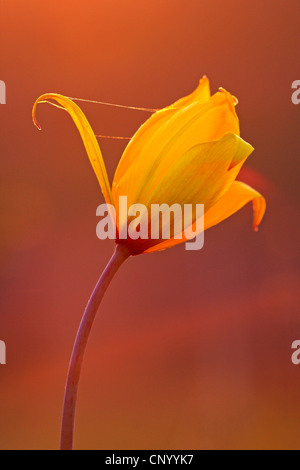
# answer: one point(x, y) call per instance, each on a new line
point(296, 94)
point(2, 92)
point(2, 352)
point(157, 222)
point(296, 354)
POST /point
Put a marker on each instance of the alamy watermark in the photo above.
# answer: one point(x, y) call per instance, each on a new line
point(161, 222)
point(296, 354)
point(296, 94)
point(2, 352)
point(2, 92)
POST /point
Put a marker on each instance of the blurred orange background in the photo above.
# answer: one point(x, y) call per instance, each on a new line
point(190, 349)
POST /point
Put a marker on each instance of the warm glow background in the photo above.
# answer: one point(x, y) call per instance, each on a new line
point(191, 349)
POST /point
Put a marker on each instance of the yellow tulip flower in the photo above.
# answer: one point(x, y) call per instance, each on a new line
point(188, 153)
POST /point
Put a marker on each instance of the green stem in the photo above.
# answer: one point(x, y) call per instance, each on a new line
point(69, 408)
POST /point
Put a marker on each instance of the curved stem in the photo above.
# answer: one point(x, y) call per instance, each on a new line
point(69, 408)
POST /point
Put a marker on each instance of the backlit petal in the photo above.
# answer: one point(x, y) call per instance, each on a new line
point(238, 195)
point(88, 138)
point(197, 123)
point(156, 121)
point(200, 176)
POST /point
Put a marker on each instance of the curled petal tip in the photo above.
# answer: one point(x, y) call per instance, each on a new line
point(259, 209)
point(37, 125)
point(238, 195)
point(33, 115)
point(86, 133)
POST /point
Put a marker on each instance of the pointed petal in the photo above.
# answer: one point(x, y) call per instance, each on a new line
point(87, 135)
point(238, 195)
point(201, 93)
point(155, 122)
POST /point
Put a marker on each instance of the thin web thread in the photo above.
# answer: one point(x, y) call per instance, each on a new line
point(100, 136)
point(136, 108)
point(112, 137)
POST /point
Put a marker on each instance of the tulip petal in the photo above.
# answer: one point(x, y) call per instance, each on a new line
point(87, 135)
point(198, 123)
point(201, 175)
point(238, 195)
point(201, 93)
point(146, 131)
